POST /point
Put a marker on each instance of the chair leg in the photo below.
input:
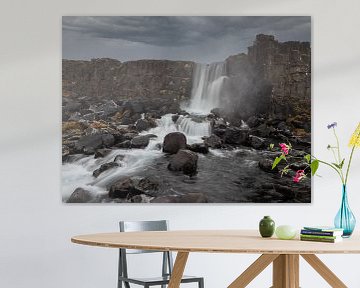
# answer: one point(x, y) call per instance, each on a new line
point(201, 283)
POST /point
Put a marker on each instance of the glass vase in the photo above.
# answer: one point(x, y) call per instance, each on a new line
point(345, 219)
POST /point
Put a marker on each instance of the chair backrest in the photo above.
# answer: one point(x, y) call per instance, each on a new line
point(135, 226)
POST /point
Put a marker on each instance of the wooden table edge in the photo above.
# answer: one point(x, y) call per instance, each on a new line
point(203, 250)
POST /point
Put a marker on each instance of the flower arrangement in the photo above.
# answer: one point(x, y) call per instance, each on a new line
point(313, 163)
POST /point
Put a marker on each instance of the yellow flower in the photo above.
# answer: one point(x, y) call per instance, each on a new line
point(355, 138)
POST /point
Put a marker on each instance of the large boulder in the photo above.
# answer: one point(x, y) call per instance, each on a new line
point(185, 161)
point(236, 136)
point(213, 141)
point(105, 167)
point(80, 195)
point(124, 188)
point(90, 143)
point(173, 142)
point(140, 141)
point(142, 124)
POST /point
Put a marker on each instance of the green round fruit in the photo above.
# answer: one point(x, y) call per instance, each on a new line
point(285, 232)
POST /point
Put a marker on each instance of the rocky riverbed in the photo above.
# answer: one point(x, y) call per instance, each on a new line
point(180, 158)
point(163, 131)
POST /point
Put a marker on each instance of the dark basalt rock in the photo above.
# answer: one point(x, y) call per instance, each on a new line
point(256, 142)
point(198, 148)
point(89, 143)
point(236, 136)
point(80, 195)
point(262, 130)
point(140, 141)
point(105, 167)
point(185, 161)
point(175, 118)
point(149, 185)
point(298, 166)
point(124, 188)
point(188, 198)
point(173, 142)
point(124, 145)
point(142, 124)
point(101, 153)
point(254, 121)
point(265, 164)
point(213, 141)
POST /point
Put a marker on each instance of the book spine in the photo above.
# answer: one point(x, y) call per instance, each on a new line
point(317, 239)
point(319, 233)
point(318, 236)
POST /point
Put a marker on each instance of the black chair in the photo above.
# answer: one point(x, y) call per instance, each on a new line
point(167, 265)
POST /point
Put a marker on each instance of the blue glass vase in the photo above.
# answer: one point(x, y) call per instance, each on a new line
point(345, 219)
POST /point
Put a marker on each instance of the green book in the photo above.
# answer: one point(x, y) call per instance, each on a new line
point(325, 240)
point(319, 236)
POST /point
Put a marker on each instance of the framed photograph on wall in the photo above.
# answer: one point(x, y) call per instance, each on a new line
point(185, 109)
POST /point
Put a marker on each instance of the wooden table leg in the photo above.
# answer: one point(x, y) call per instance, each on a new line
point(253, 270)
point(286, 271)
point(324, 271)
point(178, 269)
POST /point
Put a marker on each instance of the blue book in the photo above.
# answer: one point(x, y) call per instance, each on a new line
point(322, 231)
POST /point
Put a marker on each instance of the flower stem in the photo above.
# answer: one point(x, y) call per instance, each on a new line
point(332, 166)
point(348, 167)
point(339, 155)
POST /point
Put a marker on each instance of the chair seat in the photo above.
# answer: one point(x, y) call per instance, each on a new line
point(158, 280)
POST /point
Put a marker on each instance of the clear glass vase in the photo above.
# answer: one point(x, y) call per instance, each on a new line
point(345, 219)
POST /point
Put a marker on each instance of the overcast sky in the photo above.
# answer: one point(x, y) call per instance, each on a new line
point(200, 39)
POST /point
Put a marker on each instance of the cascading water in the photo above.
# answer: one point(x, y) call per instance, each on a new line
point(79, 172)
point(208, 81)
point(207, 88)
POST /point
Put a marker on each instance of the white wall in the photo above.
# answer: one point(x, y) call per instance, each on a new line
point(35, 227)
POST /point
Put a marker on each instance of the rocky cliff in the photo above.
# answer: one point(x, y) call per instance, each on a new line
point(287, 67)
point(161, 82)
point(274, 78)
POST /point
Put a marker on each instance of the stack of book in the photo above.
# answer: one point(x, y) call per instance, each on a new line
point(321, 234)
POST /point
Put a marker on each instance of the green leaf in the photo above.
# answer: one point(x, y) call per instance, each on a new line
point(342, 163)
point(271, 146)
point(314, 167)
point(276, 162)
point(307, 158)
point(283, 157)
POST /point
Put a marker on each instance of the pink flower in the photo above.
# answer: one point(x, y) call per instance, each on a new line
point(284, 148)
point(300, 174)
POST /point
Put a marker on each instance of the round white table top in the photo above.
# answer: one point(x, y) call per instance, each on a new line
point(219, 241)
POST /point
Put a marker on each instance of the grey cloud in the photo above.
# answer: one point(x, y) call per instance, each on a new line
point(176, 31)
point(202, 39)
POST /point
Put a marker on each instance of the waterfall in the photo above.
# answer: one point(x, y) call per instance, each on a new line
point(193, 128)
point(208, 80)
point(79, 172)
point(207, 91)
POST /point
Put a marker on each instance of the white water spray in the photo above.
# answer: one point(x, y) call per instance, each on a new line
point(208, 81)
